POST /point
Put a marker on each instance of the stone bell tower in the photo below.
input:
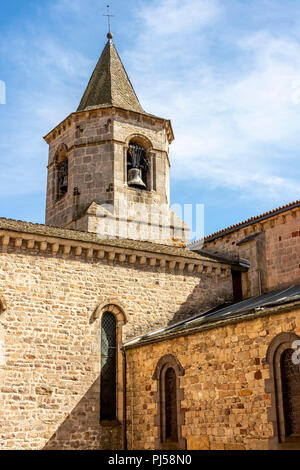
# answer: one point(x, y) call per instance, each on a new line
point(109, 168)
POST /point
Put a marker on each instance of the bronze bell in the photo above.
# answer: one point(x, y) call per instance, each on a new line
point(64, 185)
point(135, 178)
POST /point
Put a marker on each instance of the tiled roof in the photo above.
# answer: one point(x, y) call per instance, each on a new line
point(76, 235)
point(109, 84)
point(246, 223)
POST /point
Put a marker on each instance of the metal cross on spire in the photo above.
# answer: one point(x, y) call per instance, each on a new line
point(109, 16)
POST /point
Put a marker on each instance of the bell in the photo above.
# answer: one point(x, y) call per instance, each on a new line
point(64, 186)
point(135, 178)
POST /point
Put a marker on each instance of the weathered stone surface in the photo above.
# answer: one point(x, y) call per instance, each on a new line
point(100, 177)
point(225, 407)
point(198, 443)
point(51, 338)
point(272, 246)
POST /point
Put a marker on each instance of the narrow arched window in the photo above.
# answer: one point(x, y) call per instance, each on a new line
point(170, 406)
point(62, 171)
point(108, 398)
point(284, 388)
point(290, 394)
point(170, 416)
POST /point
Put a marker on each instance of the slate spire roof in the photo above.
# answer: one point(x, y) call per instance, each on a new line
point(109, 84)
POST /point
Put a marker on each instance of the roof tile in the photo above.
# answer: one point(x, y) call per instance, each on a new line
point(245, 223)
point(76, 235)
point(109, 84)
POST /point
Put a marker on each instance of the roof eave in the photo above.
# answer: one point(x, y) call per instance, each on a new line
point(170, 132)
point(251, 314)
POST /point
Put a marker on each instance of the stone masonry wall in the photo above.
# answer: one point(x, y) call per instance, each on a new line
point(49, 391)
point(90, 167)
point(225, 401)
point(97, 143)
point(274, 254)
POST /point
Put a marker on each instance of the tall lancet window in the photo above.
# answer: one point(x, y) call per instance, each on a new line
point(108, 395)
point(170, 417)
point(170, 406)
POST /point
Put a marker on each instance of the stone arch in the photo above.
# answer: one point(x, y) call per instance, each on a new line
point(276, 414)
point(166, 364)
point(61, 153)
point(114, 306)
point(168, 360)
point(140, 139)
point(147, 166)
point(279, 340)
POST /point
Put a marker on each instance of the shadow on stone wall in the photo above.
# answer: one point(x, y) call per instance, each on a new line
point(82, 429)
point(198, 301)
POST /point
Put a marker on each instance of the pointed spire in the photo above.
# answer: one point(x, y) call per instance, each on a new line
point(109, 84)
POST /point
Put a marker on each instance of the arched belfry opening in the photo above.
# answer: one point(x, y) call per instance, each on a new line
point(138, 164)
point(61, 172)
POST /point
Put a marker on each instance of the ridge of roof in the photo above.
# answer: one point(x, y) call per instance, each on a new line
point(245, 223)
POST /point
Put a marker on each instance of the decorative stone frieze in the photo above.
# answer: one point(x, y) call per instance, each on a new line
point(59, 246)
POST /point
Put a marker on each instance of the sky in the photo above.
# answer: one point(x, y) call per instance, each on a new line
point(226, 72)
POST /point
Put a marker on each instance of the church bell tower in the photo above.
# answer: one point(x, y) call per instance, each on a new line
point(109, 169)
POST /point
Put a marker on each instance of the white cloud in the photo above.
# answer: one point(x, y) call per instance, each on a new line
point(236, 127)
point(232, 97)
point(49, 77)
point(178, 16)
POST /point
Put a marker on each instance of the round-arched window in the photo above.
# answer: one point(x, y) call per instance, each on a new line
point(137, 165)
point(290, 393)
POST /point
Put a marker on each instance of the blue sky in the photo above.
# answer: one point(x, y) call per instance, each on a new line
point(226, 72)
